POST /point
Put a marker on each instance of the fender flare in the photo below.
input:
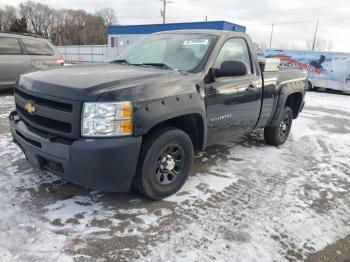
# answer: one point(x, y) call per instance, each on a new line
point(156, 112)
point(286, 89)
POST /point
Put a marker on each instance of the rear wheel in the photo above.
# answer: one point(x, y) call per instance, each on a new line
point(311, 87)
point(165, 162)
point(278, 135)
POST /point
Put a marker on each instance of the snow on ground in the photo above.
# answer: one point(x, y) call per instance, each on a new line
point(244, 201)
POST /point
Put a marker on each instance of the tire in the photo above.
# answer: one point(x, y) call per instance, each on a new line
point(276, 136)
point(310, 87)
point(164, 164)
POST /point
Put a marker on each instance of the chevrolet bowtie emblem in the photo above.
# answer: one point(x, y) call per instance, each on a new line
point(30, 108)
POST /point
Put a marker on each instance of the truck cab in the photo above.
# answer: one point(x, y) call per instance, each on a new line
point(137, 121)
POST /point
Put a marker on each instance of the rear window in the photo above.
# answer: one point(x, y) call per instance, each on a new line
point(9, 46)
point(37, 47)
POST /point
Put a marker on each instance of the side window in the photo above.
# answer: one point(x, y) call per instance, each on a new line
point(234, 49)
point(37, 47)
point(9, 46)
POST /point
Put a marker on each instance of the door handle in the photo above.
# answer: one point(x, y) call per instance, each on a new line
point(250, 88)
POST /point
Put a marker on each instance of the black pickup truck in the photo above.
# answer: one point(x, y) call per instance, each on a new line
point(136, 122)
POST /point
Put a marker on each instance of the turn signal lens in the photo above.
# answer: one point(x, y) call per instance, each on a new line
point(126, 126)
point(127, 110)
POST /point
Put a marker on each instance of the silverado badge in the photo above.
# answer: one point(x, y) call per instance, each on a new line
point(30, 108)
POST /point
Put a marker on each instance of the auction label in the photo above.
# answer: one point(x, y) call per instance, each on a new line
point(196, 42)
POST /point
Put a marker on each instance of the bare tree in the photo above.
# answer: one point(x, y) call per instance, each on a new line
point(108, 15)
point(7, 16)
point(320, 44)
point(62, 26)
point(77, 27)
point(38, 16)
point(263, 45)
point(2, 15)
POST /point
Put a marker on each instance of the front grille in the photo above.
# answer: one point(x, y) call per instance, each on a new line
point(45, 102)
point(34, 143)
point(53, 115)
point(45, 122)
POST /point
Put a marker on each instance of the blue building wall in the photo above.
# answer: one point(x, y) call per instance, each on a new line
point(153, 28)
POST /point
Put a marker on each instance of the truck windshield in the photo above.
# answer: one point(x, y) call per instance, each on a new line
point(169, 51)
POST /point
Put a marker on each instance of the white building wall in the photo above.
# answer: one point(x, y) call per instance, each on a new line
point(87, 53)
point(97, 53)
point(121, 42)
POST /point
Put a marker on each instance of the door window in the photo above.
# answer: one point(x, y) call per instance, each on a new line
point(234, 49)
point(9, 46)
point(37, 47)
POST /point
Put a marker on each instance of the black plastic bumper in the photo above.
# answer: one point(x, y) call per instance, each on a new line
point(107, 164)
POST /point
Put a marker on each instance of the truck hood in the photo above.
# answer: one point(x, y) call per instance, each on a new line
point(90, 82)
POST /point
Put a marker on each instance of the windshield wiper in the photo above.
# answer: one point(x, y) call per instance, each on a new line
point(162, 65)
point(158, 65)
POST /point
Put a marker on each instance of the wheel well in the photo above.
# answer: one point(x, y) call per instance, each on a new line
point(294, 102)
point(191, 124)
point(309, 85)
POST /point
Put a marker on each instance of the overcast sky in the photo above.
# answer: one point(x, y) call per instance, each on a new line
point(295, 19)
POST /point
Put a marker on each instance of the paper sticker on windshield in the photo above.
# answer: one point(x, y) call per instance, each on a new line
point(196, 42)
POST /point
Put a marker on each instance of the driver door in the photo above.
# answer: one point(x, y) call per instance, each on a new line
point(233, 103)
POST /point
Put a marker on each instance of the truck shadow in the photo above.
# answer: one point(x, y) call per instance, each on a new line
point(6, 92)
point(330, 91)
point(59, 190)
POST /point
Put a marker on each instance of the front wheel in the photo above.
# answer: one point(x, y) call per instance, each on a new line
point(164, 164)
point(278, 135)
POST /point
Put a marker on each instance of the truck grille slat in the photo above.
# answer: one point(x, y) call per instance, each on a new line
point(44, 102)
point(53, 115)
point(43, 121)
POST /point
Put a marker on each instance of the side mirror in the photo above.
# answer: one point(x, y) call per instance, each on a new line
point(262, 64)
point(231, 68)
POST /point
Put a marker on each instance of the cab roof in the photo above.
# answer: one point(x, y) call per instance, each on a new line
point(205, 31)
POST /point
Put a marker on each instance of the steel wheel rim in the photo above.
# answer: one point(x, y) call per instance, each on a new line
point(170, 164)
point(284, 126)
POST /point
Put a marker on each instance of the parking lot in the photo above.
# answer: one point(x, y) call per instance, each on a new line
point(244, 201)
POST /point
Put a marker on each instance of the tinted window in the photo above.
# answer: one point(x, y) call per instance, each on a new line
point(37, 47)
point(234, 49)
point(9, 46)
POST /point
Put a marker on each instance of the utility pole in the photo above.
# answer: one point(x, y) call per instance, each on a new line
point(273, 27)
point(315, 37)
point(163, 11)
point(206, 18)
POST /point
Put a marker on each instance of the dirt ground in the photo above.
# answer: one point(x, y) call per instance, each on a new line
point(244, 201)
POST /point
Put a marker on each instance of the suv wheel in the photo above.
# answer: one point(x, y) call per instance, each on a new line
point(164, 164)
point(278, 135)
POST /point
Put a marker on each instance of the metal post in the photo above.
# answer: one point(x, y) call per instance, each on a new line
point(315, 37)
point(60, 36)
point(164, 11)
point(273, 26)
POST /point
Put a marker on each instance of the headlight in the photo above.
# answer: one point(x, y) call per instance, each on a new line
point(107, 119)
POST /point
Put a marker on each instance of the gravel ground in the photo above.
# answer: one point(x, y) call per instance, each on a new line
point(244, 201)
